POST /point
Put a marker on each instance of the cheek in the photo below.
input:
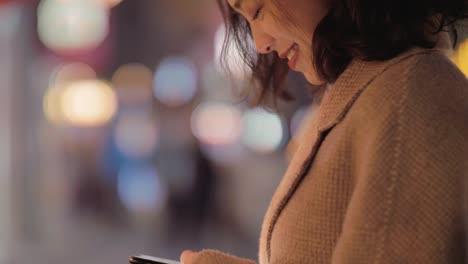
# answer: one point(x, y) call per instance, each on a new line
point(297, 19)
point(306, 13)
point(276, 26)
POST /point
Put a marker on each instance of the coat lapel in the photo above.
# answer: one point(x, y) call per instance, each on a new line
point(333, 108)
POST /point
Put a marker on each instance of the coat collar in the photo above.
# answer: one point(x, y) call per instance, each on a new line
point(333, 108)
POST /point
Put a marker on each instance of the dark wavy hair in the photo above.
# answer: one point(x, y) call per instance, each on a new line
point(366, 29)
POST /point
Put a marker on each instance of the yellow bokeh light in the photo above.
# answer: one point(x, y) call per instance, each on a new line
point(62, 76)
point(133, 82)
point(460, 57)
point(88, 103)
point(51, 105)
point(133, 75)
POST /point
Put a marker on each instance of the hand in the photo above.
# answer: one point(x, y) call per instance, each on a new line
point(188, 257)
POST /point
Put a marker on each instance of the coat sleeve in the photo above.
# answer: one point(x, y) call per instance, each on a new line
point(411, 156)
point(217, 257)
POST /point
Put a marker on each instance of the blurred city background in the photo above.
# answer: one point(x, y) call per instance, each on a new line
point(120, 134)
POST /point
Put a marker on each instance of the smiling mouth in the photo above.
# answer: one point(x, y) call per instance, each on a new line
point(292, 55)
point(292, 51)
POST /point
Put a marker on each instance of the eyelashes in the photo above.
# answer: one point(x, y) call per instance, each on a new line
point(257, 13)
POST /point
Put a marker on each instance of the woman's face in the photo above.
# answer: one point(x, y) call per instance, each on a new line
point(286, 27)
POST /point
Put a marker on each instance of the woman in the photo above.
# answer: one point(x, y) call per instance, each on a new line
point(379, 176)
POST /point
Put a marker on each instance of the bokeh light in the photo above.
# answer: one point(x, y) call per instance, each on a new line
point(71, 72)
point(263, 131)
point(140, 189)
point(238, 68)
point(59, 79)
point(88, 103)
point(460, 57)
point(132, 75)
point(133, 82)
point(68, 25)
point(216, 123)
point(136, 134)
point(175, 81)
point(51, 104)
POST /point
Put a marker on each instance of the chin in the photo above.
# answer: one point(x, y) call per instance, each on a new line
point(313, 79)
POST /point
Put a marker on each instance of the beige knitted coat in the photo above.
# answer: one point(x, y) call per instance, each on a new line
point(379, 176)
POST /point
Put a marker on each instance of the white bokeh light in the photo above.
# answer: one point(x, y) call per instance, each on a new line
point(216, 123)
point(263, 131)
point(68, 25)
point(175, 81)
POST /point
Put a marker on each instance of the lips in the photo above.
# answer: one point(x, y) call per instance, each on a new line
point(284, 55)
point(292, 57)
point(291, 54)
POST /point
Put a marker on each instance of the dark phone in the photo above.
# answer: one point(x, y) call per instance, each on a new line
point(144, 259)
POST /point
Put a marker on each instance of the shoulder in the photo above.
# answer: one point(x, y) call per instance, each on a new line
point(428, 68)
point(430, 72)
point(421, 98)
point(423, 84)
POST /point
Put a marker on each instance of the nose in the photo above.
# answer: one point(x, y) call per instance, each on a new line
point(263, 41)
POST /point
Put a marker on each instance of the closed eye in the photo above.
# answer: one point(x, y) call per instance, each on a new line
point(257, 13)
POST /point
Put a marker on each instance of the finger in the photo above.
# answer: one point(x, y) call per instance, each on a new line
point(186, 257)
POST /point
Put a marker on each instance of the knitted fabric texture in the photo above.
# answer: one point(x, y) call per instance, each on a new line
point(380, 174)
